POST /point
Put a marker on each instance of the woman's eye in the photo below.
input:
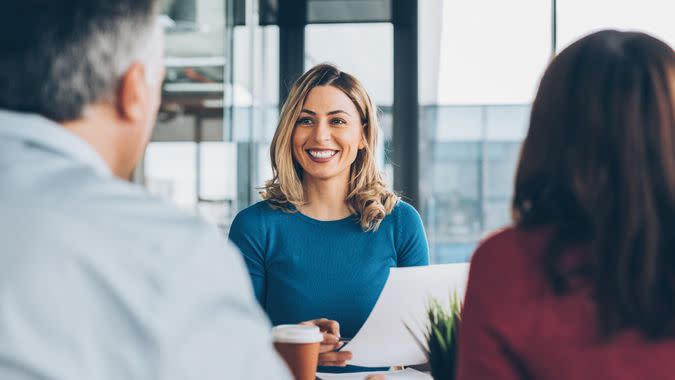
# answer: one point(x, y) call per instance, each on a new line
point(304, 121)
point(338, 122)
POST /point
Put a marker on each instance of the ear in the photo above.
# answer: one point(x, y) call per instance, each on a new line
point(132, 94)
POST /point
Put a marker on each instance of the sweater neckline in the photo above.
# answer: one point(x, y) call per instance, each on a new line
point(347, 219)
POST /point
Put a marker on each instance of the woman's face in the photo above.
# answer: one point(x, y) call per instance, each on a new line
point(327, 135)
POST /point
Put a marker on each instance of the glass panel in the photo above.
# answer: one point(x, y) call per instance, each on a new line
point(170, 171)
point(478, 74)
point(219, 110)
point(180, 11)
point(578, 17)
point(353, 52)
point(332, 11)
point(195, 92)
point(218, 182)
point(255, 112)
point(348, 11)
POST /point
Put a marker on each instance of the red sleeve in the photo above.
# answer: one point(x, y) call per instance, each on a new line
point(483, 351)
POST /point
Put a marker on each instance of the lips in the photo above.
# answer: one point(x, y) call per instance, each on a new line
point(321, 155)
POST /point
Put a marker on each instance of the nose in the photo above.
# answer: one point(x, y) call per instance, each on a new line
point(322, 131)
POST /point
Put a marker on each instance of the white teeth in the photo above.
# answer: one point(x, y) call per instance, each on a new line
point(322, 153)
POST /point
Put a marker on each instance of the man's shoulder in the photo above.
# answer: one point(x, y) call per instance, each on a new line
point(113, 225)
point(75, 209)
point(123, 199)
point(153, 217)
point(87, 204)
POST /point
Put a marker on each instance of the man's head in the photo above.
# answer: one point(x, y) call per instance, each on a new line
point(95, 66)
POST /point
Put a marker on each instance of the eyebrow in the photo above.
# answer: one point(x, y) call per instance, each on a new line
point(329, 113)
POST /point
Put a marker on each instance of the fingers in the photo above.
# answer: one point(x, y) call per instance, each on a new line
point(330, 342)
point(334, 358)
point(331, 333)
point(375, 377)
point(324, 324)
point(327, 325)
point(333, 364)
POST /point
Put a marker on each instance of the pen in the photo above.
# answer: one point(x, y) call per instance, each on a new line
point(344, 342)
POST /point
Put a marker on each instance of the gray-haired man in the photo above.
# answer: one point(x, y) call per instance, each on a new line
point(99, 280)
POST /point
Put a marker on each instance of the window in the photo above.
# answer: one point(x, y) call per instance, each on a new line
point(577, 18)
point(480, 62)
point(208, 152)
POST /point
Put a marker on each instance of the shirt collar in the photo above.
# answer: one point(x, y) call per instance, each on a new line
point(48, 134)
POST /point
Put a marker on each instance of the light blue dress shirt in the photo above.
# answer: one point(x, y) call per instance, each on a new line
point(101, 280)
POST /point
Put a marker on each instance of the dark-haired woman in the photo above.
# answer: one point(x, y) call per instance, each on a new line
point(583, 285)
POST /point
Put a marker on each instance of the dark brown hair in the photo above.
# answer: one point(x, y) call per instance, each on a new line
point(598, 167)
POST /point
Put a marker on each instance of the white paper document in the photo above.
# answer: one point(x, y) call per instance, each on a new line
point(384, 341)
point(406, 374)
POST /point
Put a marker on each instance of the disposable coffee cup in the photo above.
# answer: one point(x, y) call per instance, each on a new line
point(298, 345)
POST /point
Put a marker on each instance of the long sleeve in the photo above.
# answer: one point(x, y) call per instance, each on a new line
point(412, 248)
point(248, 235)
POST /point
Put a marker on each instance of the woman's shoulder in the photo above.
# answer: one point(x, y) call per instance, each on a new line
point(511, 249)
point(404, 213)
point(515, 237)
point(403, 208)
point(255, 214)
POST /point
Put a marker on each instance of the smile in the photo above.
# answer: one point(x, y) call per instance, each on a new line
point(321, 154)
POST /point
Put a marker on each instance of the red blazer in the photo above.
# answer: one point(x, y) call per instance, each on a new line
point(514, 327)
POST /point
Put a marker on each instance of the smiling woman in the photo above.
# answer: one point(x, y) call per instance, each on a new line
point(322, 241)
point(327, 107)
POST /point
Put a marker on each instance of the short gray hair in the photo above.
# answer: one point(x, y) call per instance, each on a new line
point(57, 65)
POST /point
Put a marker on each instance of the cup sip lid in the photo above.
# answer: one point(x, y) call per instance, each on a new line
point(296, 334)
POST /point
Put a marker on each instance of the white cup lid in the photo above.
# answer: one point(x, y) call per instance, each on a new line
point(296, 334)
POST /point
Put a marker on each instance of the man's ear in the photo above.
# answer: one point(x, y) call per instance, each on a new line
point(132, 94)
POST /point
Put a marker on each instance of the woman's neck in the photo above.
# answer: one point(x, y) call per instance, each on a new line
point(326, 199)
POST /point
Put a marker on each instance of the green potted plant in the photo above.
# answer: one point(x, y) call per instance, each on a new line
point(441, 334)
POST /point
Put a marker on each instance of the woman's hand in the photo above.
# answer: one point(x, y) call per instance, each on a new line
point(331, 341)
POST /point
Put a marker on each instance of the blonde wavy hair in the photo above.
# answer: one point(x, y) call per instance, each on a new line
point(368, 196)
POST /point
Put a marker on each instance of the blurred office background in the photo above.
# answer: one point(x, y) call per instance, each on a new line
point(453, 80)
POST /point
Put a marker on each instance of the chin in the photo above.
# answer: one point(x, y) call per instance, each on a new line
point(322, 176)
